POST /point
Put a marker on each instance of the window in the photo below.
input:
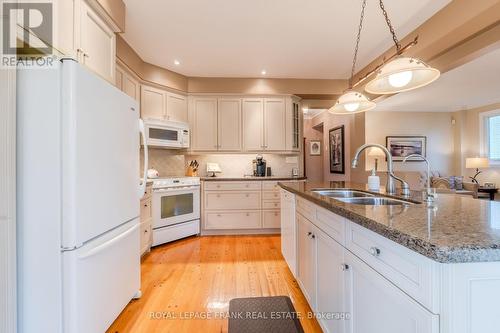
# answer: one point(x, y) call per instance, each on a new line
point(490, 137)
point(494, 137)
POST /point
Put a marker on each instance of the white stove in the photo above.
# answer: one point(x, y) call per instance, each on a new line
point(176, 208)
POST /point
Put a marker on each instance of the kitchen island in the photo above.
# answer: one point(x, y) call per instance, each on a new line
point(408, 266)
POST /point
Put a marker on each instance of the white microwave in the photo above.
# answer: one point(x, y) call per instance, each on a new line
point(166, 134)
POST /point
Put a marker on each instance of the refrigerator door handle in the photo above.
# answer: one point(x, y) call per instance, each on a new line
point(142, 188)
point(108, 243)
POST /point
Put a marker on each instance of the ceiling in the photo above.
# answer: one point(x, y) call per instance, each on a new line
point(477, 83)
point(287, 38)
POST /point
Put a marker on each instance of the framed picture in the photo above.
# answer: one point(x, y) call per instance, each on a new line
point(402, 146)
point(336, 143)
point(314, 147)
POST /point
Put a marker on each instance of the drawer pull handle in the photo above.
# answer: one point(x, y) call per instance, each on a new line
point(218, 195)
point(247, 195)
point(247, 214)
point(275, 214)
point(344, 267)
point(375, 251)
point(218, 215)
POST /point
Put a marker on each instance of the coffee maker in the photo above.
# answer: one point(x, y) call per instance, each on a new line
point(259, 166)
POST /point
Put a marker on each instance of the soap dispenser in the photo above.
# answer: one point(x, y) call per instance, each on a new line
point(374, 181)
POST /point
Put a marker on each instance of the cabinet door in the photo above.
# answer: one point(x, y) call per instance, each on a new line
point(205, 124)
point(152, 103)
point(229, 124)
point(288, 230)
point(306, 259)
point(64, 20)
point(130, 86)
point(274, 124)
point(97, 42)
point(377, 306)
point(176, 107)
point(330, 282)
point(253, 120)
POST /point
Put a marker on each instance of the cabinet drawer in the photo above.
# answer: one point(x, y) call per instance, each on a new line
point(408, 270)
point(271, 195)
point(306, 208)
point(271, 219)
point(146, 211)
point(232, 186)
point(332, 224)
point(232, 200)
point(270, 186)
point(233, 220)
point(270, 204)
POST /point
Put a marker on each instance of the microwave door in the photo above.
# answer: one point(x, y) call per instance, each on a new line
point(163, 136)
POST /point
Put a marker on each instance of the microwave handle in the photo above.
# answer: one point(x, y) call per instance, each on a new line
point(142, 187)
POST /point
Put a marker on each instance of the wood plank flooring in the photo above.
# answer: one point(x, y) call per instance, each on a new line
point(187, 285)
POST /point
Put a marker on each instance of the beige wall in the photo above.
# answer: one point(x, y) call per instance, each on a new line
point(436, 126)
point(313, 164)
point(468, 121)
point(330, 121)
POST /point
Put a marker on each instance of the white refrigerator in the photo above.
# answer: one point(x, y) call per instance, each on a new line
point(78, 199)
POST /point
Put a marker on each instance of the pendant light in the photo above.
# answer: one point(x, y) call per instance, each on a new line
point(402, 73)
point(352, 101)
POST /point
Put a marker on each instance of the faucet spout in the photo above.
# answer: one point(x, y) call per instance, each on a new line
point(390, 187)
point(429, 195)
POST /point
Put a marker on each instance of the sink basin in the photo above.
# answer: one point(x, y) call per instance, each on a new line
point(341, 193)
point(374, 201)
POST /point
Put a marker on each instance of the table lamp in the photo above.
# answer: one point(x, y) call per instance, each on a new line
point(476, 163)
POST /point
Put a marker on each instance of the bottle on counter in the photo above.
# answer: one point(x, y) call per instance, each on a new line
point(374, 181)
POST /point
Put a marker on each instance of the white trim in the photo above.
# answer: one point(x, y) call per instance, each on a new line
point(8, 294)
point(483, 135)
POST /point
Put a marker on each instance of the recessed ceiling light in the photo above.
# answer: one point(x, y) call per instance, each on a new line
point(263, 72)
point(177, 62)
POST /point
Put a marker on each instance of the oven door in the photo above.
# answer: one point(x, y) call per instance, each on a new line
point(164, 136)
point(175, 205)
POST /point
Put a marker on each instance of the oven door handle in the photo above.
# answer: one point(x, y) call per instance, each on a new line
point(174, 189)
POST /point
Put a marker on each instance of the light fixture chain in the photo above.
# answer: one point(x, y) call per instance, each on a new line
point(391, 28)
point(357, 43)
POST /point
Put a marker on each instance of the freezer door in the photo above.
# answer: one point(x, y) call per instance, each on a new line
point(100, 155)
point(100, 278)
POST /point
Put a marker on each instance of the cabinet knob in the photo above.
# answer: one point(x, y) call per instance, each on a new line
point(309, 233)
point(344, 267)
point(247, 195)
point(145, 205)
point(248, 214)
point(313, 236)
point(375, 251)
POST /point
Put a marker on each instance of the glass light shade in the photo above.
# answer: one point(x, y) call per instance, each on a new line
point(352, 102)
point(402, 74)
point(477, 163)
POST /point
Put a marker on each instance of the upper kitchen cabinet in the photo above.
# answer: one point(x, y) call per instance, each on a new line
point(86, 33)
point(215, 123)
point(127, 83)
point(162, 104)
point(204, 124)
point(253, 124)
point(294, 123)
point(274, 124)
point(229, 124)
point(264, 124)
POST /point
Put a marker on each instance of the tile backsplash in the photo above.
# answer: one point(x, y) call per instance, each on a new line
point(173, 163)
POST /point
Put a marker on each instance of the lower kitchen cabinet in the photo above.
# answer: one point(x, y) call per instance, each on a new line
point(377, 306)
point(346, 293)
point(146, 221)
point(306, 259)
point(240, 207)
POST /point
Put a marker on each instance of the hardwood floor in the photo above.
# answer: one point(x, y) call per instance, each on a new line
point(186, 281)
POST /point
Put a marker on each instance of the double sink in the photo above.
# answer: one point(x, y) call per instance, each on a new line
point(360, 198)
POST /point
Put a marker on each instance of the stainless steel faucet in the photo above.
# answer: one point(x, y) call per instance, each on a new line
point(390, 188)
point(429, 195)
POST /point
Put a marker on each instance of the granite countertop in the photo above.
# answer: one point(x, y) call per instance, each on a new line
point(453, 229)
point(250, 178)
